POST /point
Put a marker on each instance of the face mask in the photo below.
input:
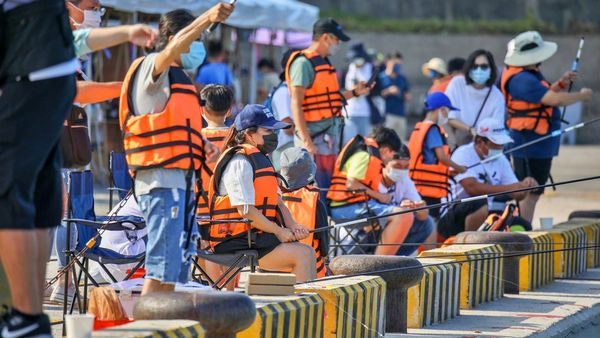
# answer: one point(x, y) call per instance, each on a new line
point(479, 75)
point(397, 69)
point(397, 175)
point(334, 48)
point(270, 143)
point(91, 18)
point(194, 58)
point(359, 62)
point(442, 120)
point(432, 74)
point(493, 152)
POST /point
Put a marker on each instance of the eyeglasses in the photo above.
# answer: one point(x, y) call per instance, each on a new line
point(481, 66)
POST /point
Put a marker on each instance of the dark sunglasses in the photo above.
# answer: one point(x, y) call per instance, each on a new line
point(482, 67)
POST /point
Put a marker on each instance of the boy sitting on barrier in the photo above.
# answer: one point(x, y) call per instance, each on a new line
point(298, 169)
point(481, 178)
point(359, 167)
point(397, 184)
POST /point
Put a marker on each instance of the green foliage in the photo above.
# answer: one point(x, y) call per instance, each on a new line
point(437, 25)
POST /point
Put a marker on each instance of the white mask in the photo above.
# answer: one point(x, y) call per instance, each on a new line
point(396, 175)
point(442, 120)
point(91, 18)
point(493, 152)
point(333, 49)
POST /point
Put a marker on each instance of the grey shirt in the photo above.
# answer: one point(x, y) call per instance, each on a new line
point(149, 97)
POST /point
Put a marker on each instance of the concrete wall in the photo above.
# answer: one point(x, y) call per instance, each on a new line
point(418, 48)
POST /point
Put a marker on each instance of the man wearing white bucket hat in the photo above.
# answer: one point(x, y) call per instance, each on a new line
point(532, 108)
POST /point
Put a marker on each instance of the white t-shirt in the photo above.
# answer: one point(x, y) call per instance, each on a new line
point(358, 106)
point(497, 172)
point(281, 102)
point(469, 100)
point(402, 190)
point(236, 181)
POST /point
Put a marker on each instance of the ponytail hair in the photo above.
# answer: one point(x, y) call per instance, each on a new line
point(235, 138)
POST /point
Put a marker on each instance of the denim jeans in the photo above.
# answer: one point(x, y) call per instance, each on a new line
point(60, 242)
point(163, 210)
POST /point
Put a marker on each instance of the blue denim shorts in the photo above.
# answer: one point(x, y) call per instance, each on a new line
point(163, 210)
point(359, 210)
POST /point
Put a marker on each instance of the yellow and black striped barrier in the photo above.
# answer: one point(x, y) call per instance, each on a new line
point(537, 269)
point(298, 316)
point(154, 329)
point(570, 255)
point(354, 306)
point(592, 229)
point(481, 271)
point(437, 297)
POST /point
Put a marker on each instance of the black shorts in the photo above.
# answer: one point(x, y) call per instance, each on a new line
point(31, 123)
point(263, 243)
point(453, 221)
point(434, 212)
point(538, 168)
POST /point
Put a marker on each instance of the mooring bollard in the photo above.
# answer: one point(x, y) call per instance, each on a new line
point(512, 243)
point(221, 314)
point(408, 273)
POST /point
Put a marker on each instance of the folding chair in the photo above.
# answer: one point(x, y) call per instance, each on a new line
point(235, 261)
point(81, 212)
point(120, 180)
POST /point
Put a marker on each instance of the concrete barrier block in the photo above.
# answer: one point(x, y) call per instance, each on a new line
point(570, 257)
point(592, 229)
point(537, 269)
point(154, 328)
point(481, 271)
point(298, 316)
point(437, 297)
point(354, 306)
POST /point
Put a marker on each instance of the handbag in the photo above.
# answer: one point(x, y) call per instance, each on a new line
point(75, 143)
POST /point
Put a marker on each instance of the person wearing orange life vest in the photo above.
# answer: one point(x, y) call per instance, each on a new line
point(532, 109)
point(430, 156)
point(245, 185)
point(161, 120)
point(437, 71)
point(302, 199)
point(359, 166)
point(317, 102)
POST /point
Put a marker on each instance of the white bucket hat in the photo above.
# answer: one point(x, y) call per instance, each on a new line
point(528, 48)
point(436, 64)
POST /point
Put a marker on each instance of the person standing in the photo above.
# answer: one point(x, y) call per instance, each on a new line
point(436, 70)
point(161, 120)
point(476, 97)
point(532, 105)
point(317, 102)
point(396, 92)
point(37, 87)
point(357, 119)
point(215, 71)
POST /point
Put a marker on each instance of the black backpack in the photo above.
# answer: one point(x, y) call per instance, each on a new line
point(75, 141)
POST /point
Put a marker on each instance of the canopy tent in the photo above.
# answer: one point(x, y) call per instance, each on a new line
point(273, 14)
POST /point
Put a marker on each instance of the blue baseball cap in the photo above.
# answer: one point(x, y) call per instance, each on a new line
point(257, 115)
point(437, 100)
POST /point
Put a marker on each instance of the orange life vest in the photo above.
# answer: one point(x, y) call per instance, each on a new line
point(302, 204)
point(431, 180)
point(217, 138)
point(265, 194)
point(523, 115)
point(440, 85)
point(338, 191)
point(169, 139)
point(323, 99)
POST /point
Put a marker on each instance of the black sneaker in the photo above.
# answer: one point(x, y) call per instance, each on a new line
point(17, 326)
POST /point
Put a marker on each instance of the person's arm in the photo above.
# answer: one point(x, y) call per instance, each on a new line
point(458, 124)
point(354, 184)
point(360, 89)
point(445, 159)
point(104, 37)
point(297, 96)
point(289, 131)
point(93, 92)
point(300, 230)
point(391, 90)
point(260, 222)
point(180, 43)
point(476, 188)
point(556, 99)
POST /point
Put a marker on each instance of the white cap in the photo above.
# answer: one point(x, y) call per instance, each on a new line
point(528, 48)
point(493, 130)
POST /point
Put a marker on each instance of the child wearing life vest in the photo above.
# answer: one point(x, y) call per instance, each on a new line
point(430, 155)
point(298, 171)
point(245, 185)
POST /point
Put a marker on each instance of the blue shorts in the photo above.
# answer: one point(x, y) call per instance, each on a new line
point(359, 210)
point(163, 210)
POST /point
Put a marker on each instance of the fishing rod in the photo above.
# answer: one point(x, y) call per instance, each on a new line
point(490, 257)
point(573, 69)
point(555, 133)
point(450, 203)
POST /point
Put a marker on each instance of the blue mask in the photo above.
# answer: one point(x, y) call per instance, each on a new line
point(432, 73)
point(479, 75)
point(397, 69)
point(194, 58)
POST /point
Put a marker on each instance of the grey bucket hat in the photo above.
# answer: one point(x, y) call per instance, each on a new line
point(297, 168)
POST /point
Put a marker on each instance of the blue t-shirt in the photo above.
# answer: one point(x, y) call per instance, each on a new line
point(394, 104)
point(526, 86)
point(215, 73)
point(433, 140)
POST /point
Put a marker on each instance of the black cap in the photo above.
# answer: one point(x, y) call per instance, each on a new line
point(328, 25)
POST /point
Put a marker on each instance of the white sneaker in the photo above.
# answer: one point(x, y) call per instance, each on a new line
point(58, 294)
